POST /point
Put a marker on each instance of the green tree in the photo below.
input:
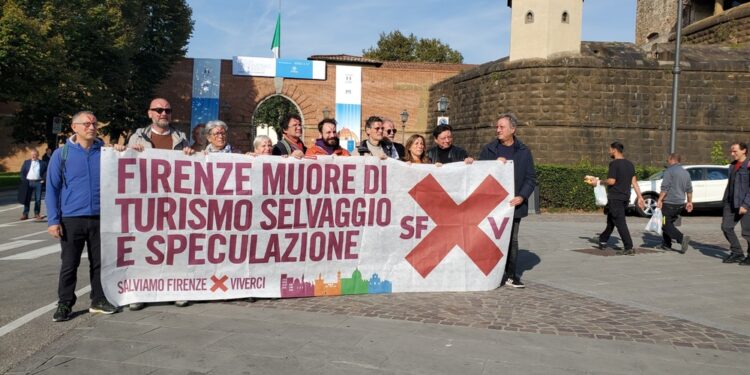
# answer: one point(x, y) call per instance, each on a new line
point(107, 56)
point(395, 46)
point(270, 112)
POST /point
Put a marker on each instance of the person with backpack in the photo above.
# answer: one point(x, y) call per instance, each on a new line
point(73, 193)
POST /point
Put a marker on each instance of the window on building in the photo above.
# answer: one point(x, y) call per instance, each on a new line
point(529, 17)
point(565, 18)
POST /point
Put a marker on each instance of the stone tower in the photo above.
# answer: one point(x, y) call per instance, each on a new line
point(544, 28)
point(657, 19)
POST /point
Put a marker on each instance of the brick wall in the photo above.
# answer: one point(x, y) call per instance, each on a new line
point(387, 90)
point(572, 108)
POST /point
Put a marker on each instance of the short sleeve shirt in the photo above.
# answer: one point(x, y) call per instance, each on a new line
point(622, 171)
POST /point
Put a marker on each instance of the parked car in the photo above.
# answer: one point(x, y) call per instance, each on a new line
point(709, 182)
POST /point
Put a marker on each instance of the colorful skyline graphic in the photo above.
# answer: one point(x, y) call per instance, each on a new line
point(298, 287)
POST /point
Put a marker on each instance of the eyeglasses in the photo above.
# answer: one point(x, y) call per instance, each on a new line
point(162, 110)
point(391, 131)
point(219, 134)
point(85, 124)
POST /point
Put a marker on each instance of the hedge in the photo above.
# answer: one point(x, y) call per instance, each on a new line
point(9, 179)
point(562, 186)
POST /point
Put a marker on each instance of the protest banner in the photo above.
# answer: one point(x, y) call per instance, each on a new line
point(223, 226)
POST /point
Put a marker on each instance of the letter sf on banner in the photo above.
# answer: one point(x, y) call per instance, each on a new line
point(224, 226)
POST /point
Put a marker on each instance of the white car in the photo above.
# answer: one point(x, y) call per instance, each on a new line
point(709, 183)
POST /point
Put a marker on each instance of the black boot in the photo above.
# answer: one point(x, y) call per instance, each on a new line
point(746, 261)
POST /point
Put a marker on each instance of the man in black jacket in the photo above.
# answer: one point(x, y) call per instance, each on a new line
point(445, 151)
point(508, 147)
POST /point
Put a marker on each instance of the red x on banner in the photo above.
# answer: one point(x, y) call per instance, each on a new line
point(457, 224)
point(219, 283)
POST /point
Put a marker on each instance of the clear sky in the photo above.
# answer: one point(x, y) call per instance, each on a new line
point(479, 29)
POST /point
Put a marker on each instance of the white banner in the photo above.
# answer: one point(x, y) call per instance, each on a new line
point(222, 226)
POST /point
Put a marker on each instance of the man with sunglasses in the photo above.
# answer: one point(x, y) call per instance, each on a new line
point(376, 144)
point(390, 132)
point(159, 134)
point(163, 136)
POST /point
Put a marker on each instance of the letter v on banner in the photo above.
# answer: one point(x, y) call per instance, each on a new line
point(457, 225)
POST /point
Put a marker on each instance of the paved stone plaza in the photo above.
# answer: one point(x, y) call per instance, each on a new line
point(581, 313)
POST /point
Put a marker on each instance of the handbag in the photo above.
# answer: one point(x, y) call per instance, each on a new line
point(654, 224)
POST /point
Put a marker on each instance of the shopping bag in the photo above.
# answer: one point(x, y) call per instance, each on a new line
point(654, 224)
point(600, 194)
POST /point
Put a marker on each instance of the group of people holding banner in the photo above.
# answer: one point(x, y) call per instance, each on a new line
point(73, 197)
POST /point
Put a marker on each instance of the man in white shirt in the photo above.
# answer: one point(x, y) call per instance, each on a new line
point(33, 172)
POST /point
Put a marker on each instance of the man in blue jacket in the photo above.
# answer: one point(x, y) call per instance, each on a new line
point(73, 213)
point(32, 178)
point(508, 147)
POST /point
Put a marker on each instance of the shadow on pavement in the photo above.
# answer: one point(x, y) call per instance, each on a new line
point(712, 251)
point(527, 260)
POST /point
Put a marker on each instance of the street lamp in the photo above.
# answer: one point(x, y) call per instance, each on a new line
point(442, 104)
point(404, 119)
point(326, 112)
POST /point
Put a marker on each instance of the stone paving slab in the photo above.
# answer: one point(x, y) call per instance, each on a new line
point(538, 309)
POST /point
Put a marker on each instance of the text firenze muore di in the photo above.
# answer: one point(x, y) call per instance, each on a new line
point(213, 212)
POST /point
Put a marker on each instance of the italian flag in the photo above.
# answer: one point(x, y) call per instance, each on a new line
point(276, 44)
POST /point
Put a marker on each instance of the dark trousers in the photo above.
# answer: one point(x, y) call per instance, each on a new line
point(510, 262)
point(35, 187)
point(77, 233)
point(616, 219)
point(728, 222)
point(669, 231)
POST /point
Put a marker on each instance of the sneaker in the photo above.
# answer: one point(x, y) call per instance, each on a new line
point(745, 262)
point(62, 313)
point(602, 246)
point(182, 303)
point(626, 252)
point(136, 306)
point(516, 283)
point(666, 247)
point(685, 244)
point(733, 258)
point(102, 306)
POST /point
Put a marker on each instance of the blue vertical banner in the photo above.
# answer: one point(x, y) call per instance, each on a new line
point(349, 105)
point(206, 84)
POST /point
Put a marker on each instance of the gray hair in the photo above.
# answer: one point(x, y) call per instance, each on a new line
point(260, 139)
point(512, 119)
point(216, 124)
point(81, 113)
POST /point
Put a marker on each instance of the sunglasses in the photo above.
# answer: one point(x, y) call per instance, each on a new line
point(162, 110)
point(391, 131)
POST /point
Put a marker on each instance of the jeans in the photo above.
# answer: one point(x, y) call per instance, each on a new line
point(616, 219)
point(510, 262)
point(77, 233)
point(728, 222)
point(669, 230)
point(35, 186)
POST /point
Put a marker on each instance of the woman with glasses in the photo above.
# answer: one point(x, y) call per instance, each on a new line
point(414, 150)
point(217, 136)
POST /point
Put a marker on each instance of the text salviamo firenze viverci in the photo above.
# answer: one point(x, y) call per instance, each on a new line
point(309, 211)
